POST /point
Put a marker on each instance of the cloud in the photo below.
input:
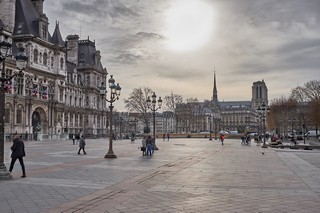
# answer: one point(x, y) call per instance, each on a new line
point(277, 41)
point(113, 10)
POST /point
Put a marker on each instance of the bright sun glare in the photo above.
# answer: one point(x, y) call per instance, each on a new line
point(189, 25)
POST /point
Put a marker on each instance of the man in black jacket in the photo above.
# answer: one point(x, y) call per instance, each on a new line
point(18, 153)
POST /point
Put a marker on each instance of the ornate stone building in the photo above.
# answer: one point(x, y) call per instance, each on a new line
point(215, 115)
point(59, 92)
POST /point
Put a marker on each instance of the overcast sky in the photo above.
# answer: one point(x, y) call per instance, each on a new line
point(174, 45)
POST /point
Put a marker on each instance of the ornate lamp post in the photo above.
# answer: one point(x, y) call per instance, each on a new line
point(151, 104)
point(21, 63)
point(263, 111)
point(66, 130)
point(210, 126)
point(216, 119)
point(115, 90)
point(134, 121)
point(120, 127)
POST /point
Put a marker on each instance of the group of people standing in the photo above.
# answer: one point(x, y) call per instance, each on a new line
point(166, 135)
point(148, 145)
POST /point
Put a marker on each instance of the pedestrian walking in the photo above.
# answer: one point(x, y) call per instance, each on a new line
point(82, 144)
point(222, 138)
point(73, 139)
point(18, 152)
point(133, 137)
point(168, 136)
point(164, 136)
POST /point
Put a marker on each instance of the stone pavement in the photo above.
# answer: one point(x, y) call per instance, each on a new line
point(184, 175)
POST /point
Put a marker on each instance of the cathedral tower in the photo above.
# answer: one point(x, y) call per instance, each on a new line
point(215, 91)
point(259, 94)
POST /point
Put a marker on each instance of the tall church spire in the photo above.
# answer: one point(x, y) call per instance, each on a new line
point(215, 91)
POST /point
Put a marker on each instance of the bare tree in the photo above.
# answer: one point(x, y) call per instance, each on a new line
point(190, 100)
point(314, 113)
point(282, 114)
point(137, 102)
point(299, 94)
point(310, 91)
point(172, 100)
point(309, 96)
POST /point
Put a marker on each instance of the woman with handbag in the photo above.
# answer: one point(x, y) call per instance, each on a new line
point(144, 145)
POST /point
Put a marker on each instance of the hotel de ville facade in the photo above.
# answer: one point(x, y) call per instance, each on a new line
point(58, 94)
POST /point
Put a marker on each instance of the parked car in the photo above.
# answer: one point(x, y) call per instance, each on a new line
point(312, 133)
point(297, 135)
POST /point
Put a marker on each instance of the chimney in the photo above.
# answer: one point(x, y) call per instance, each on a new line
point(72, 48)
point(7, 13)
point(38, 5)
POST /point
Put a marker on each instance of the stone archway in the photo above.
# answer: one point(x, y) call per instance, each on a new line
point(39, 123)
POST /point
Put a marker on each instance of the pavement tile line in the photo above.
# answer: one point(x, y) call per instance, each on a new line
point(297, 165)
point(199, 176)
point(87, 205)
point(60, 182)
point(155, 176)
point(149, 178)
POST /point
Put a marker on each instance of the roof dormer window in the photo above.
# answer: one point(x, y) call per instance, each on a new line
point(44, 31)
point(35, 56)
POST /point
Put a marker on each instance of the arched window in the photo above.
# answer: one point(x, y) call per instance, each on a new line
point(35, 56)
point(45, 59)
point(40, 57)
point(78, 79)
point(44, 32)
point(88, 80)
point(52, 61)
point(98, 82)
point(61, 63)
point(87, 101)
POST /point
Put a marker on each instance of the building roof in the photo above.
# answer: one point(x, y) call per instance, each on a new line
point(229, 104)
point(25, 18)
point(1, 25)
point(27, 22)
point(87, 53)
point(56, 37)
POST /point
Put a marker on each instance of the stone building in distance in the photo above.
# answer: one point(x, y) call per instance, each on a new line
point(58, 94)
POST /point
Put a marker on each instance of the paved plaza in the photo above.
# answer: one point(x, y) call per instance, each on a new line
point(184, 175)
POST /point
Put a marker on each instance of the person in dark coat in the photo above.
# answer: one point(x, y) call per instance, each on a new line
point(82, 144)
point(77, 138)
point(18, 152)
point(149, 145)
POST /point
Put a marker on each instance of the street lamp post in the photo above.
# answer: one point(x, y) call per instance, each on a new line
point(134, 122)
point(151, 104)
point(21, 63)
point(120, 127)
point(216, 123)
point(66, 130)
point(210, 127)
point(115, 90)
point(263, 111)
